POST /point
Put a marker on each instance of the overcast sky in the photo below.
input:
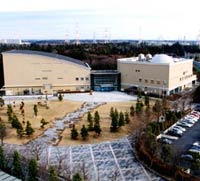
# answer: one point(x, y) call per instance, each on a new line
point(116, 19)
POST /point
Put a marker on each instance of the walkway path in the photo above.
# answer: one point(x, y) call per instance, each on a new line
point(104, 161)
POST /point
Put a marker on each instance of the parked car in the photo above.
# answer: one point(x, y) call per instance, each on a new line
point(187, 157)
point(177, 133)
point(184, 124)
point(165, 141)
point(190, 121)
point(179, 127)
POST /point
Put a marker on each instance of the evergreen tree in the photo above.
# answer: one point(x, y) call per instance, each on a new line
point(146, 100)
point(43, 123)
point(32, 170)
point(84, 132)
point(76, 177)
point(9, 112)
point(121, 119)
point(132, 111)
point(111, 112)
point(166, 153)
point(60, 97)
point(116, 114)
point(52, 174)
point(96, 117)
point(15, 123)
point(74, 133)
point(17, 165)
point(90, 122)
point(20, 132)
point(35, 109)
point(127, 119)
point(97, 129)
point(2, 131)
point(2, 158)
point(29, 130)
point(114, 124)
point(89, 117)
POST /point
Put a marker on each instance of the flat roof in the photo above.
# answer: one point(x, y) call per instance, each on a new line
point(51, 55)
point(105, 72)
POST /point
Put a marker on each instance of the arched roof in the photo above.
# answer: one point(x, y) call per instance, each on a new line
point(51, 55)
point(162, 58)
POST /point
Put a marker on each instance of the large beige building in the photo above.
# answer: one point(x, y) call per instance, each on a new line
point(33, 72)
point(160, 74)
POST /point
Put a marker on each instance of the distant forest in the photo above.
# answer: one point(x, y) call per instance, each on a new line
point(104, 56)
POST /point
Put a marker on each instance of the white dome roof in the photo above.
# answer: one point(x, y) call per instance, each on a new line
point(149, 56)
point(162, 58)
point(141, 56)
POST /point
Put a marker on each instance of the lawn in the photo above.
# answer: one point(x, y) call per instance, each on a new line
point(105, 121)
point(56, 109)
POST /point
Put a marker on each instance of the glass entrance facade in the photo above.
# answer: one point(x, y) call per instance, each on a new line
point(105, 80)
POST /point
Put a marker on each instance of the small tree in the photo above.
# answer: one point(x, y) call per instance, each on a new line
point(111, 112)
point(96, 117)
point(121, 119)
point(132, 111)
point(52, 174)
point(116, 113)
point(33, 170)
point(127, 119)
point(90, 122)
point(1, 102)
point(146, 100)
point(166, 153)
point(60, 97)
point(76, 177)
point(84, 132)
point(17, 165)
point(35, 109)
point(2, 131)
point(2, 158)
point(43, 123)
point(20, 132)
point(114, 124)
point(15, 123)
point(97, 129)
point(74, 133)
point(29, 130)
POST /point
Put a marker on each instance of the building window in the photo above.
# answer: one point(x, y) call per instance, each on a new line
point(44, 78)
point(146, 81)
point(77, 78)
point(137, 70)
point(152, 81)
point(86, 78)
point(158, 82)
point(60, 78)
point(140, 80)
point(37, 78)
point(82, 78)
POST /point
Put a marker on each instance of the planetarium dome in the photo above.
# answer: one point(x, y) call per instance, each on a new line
point(162, 58)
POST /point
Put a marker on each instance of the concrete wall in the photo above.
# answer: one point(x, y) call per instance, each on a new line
point(36, 72)
point(156, 77)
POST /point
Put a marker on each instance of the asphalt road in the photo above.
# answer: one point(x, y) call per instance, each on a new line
point(189, 137)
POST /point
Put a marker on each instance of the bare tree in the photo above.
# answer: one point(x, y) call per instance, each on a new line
point(114, 175)
point(36, 150)
point(63, 169)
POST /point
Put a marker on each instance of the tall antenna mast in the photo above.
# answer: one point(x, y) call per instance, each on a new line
point(106, 36)
point(94, 38)
point(77, 36)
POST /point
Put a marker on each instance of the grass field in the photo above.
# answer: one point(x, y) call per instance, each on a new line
point(105, 121)
point(56, 109)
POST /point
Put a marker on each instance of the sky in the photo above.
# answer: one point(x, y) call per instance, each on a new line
point(100, 19)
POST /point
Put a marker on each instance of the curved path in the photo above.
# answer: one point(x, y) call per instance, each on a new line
point(111, 160)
